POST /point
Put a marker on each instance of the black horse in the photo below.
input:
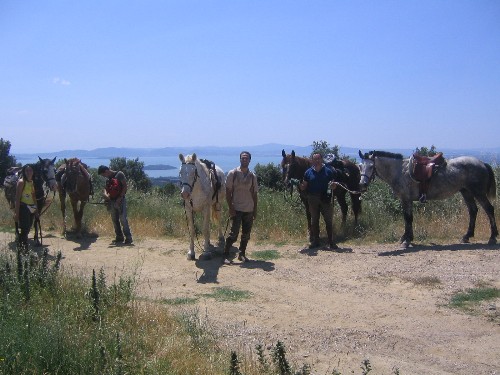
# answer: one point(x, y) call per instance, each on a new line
point(44, 181)
point(294, 167)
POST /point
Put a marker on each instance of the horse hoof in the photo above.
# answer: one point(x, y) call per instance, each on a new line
point(191, 257)
point(465, 239)
point(492, 241)
point(205, 256)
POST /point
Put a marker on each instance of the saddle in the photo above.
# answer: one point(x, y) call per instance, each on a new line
point(211, 168)
point(422, 168)
point(338, 166)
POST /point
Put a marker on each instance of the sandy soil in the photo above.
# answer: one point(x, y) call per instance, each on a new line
point(332, 310)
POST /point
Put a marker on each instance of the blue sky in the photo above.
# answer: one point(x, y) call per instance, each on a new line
point(367, 74)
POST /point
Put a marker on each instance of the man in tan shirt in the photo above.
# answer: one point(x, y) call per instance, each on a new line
point(241, 196)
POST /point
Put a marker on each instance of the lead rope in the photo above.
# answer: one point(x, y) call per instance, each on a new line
point(345, 188)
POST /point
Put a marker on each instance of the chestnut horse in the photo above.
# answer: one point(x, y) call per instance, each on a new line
point(294, 167)
point(76, 183)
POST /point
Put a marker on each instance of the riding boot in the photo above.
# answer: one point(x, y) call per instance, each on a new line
point(243, 247)
point(331, 242)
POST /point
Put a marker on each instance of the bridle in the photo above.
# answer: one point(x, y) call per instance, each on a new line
point(373, 174)
point(191, 186)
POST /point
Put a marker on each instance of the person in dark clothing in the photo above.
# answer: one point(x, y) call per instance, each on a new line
point(25, 204)
point(318, 185)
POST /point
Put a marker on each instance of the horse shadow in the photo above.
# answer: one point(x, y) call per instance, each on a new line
point(315, 251)
point(83, 242)
point(416, 248)
point(211, 267)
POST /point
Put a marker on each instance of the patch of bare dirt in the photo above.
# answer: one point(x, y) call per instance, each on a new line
point(331, 310)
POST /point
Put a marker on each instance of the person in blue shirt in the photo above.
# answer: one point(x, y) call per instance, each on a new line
point(318, 185)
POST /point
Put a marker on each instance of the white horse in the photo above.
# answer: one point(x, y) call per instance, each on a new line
point(203, 190)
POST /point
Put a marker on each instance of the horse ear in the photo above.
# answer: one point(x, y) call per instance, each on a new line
point(293, 154)
point(40, 159)
point(53, 160)
point(193, 156)
point(361, 155)
point(181, 158)
point(283, 153)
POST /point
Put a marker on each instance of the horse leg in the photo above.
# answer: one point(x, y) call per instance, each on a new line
point(36, 236)
point(343, 205)
point(62, 199)
point(189, 218)
point(356, 206)
point(472, 207)
point(206, 234)
point(216, 210)
point(407, 237)
point(308, 217)
point(74, 205)
point(80, 218)
point(490, 212)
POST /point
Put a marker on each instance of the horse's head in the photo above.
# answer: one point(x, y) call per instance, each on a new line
point(297, 167)
point(285, 162)
point(48, 171)
point(72, 172)
point(188, 174)
point(367, 169)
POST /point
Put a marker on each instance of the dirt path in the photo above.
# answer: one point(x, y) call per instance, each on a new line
point(331, 310)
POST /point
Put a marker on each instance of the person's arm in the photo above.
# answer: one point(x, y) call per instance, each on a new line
point(255, 199)
point(124, 190)
point(19, 192)
point(229, 194)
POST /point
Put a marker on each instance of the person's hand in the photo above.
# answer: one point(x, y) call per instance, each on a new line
point(332, 185)
point(294, 182)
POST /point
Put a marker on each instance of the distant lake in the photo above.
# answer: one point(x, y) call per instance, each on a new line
point(225, 162)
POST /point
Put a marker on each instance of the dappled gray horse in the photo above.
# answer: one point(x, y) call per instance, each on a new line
point(468, 175)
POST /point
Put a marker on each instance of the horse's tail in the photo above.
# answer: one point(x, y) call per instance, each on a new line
point(492, 183)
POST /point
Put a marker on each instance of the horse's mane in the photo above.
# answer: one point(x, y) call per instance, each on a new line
point(73, 161)
point(386, 154)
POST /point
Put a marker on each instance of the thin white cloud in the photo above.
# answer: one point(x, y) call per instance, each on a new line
point(61, 81)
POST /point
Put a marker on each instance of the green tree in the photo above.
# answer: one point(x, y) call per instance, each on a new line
point(269, 176)
point(424, 151)
point(133, 170)
point(6, 160)
point(168, 190)
point(323, 147)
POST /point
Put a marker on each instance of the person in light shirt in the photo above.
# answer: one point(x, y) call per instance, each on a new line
point(241, 197)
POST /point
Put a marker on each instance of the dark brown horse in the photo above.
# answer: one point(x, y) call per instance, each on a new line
point(74, 180)
point(44, 181)
point(294, 167)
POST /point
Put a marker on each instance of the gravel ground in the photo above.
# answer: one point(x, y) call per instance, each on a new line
point(332, 310)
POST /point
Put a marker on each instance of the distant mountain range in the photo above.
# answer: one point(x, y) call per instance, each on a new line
point(489, 155)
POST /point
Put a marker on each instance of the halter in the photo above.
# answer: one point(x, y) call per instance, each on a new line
point(372, 176)
point(191, 186)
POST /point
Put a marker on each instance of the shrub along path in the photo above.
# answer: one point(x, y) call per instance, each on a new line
point(331, 310)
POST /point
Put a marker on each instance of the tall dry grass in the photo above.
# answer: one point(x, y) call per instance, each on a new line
point(278, 221)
